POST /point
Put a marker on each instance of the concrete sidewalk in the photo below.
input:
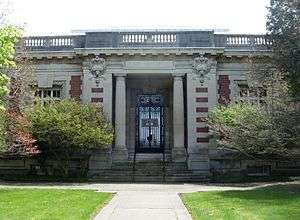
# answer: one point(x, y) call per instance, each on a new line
point(144, 205)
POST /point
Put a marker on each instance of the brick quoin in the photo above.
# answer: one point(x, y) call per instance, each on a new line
point(224, 89)
point(201, 89)
point(202, 129)
point(201, 99)
point(201, 109)
point(96, 100)
point(201, 119)
point(75, 90)
point(202, 140)
point(97, 90)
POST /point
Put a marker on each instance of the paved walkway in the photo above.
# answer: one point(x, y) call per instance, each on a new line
point(141, 201)
point(144, 205)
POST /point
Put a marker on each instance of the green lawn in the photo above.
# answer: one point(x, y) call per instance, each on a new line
point(51, 204)
point(272, 203)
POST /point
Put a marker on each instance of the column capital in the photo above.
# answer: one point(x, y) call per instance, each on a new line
point(120, 75)
point(178, 75)
point(177, 78)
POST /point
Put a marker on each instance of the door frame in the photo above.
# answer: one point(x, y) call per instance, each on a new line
point(138, 148)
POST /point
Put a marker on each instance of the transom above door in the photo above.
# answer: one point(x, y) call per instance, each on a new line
point(149, 124)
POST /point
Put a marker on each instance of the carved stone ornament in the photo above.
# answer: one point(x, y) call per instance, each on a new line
point(202, 66)
point(97, 67)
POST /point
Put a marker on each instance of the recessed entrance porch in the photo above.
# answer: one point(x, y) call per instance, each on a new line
point(149, 116)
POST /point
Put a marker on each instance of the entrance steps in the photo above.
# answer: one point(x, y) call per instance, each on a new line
point(148, 171)
point(146, 157)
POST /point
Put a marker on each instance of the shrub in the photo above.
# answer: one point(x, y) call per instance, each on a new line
point(62, 128)
point(253, 130)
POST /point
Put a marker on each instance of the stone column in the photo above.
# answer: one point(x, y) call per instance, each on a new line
point(178, 151)
point(120, 151)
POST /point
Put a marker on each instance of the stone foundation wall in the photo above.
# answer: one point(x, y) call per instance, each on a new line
point(101, 161)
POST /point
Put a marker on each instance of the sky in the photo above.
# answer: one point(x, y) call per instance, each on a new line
point(58, 17)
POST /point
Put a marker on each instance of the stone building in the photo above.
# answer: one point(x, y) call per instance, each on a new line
point(156, 88)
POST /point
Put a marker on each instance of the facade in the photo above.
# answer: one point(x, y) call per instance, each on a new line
point(156, 88)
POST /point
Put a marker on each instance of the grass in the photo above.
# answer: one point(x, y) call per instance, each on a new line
point(276, 202)
point(238, 178)
point(51, 204)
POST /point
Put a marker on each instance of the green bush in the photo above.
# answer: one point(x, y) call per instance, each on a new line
point(62, 128)
point(253, 130)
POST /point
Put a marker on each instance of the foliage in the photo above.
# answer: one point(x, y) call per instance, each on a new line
point(51, 203)
point(284, 30)
point(2, 130)
point(254, 130)
point(15, 138)
point(272, 202)
point(9, 36)
point(62, 128)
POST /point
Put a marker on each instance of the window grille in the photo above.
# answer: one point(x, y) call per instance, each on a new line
point(252, 95)
point(47, 95)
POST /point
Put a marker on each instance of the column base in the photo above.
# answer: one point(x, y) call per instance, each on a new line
point(120, 154)
point(198, 162)
point(179, 155)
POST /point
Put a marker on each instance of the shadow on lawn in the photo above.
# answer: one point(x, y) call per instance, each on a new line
point(280, 193)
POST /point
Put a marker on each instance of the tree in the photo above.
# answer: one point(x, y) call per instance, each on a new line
point(68, 127)
point(9, 36)
point(284, 31)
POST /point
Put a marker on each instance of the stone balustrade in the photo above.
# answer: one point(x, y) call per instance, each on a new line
point(52, 43)
point(125, 39)
point(242, 41)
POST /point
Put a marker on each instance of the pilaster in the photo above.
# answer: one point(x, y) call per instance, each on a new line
point(179, 150)
point(201, 97)
point(120, 152)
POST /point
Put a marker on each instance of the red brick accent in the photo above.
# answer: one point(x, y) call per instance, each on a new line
point(201, 109)
point(202, 140)
point(96, 99)
point(75, 90)
point(97, 90)
point(202, 129)
point(201, 99)
point(200, 119)
point(201, 89)
point(224, 90)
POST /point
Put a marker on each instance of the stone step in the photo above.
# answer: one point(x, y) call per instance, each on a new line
point(148, 171)
point(140, 157)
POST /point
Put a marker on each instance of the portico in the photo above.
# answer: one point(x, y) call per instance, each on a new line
point(152, 104)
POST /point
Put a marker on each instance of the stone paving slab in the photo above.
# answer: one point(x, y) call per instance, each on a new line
point(144, 205)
